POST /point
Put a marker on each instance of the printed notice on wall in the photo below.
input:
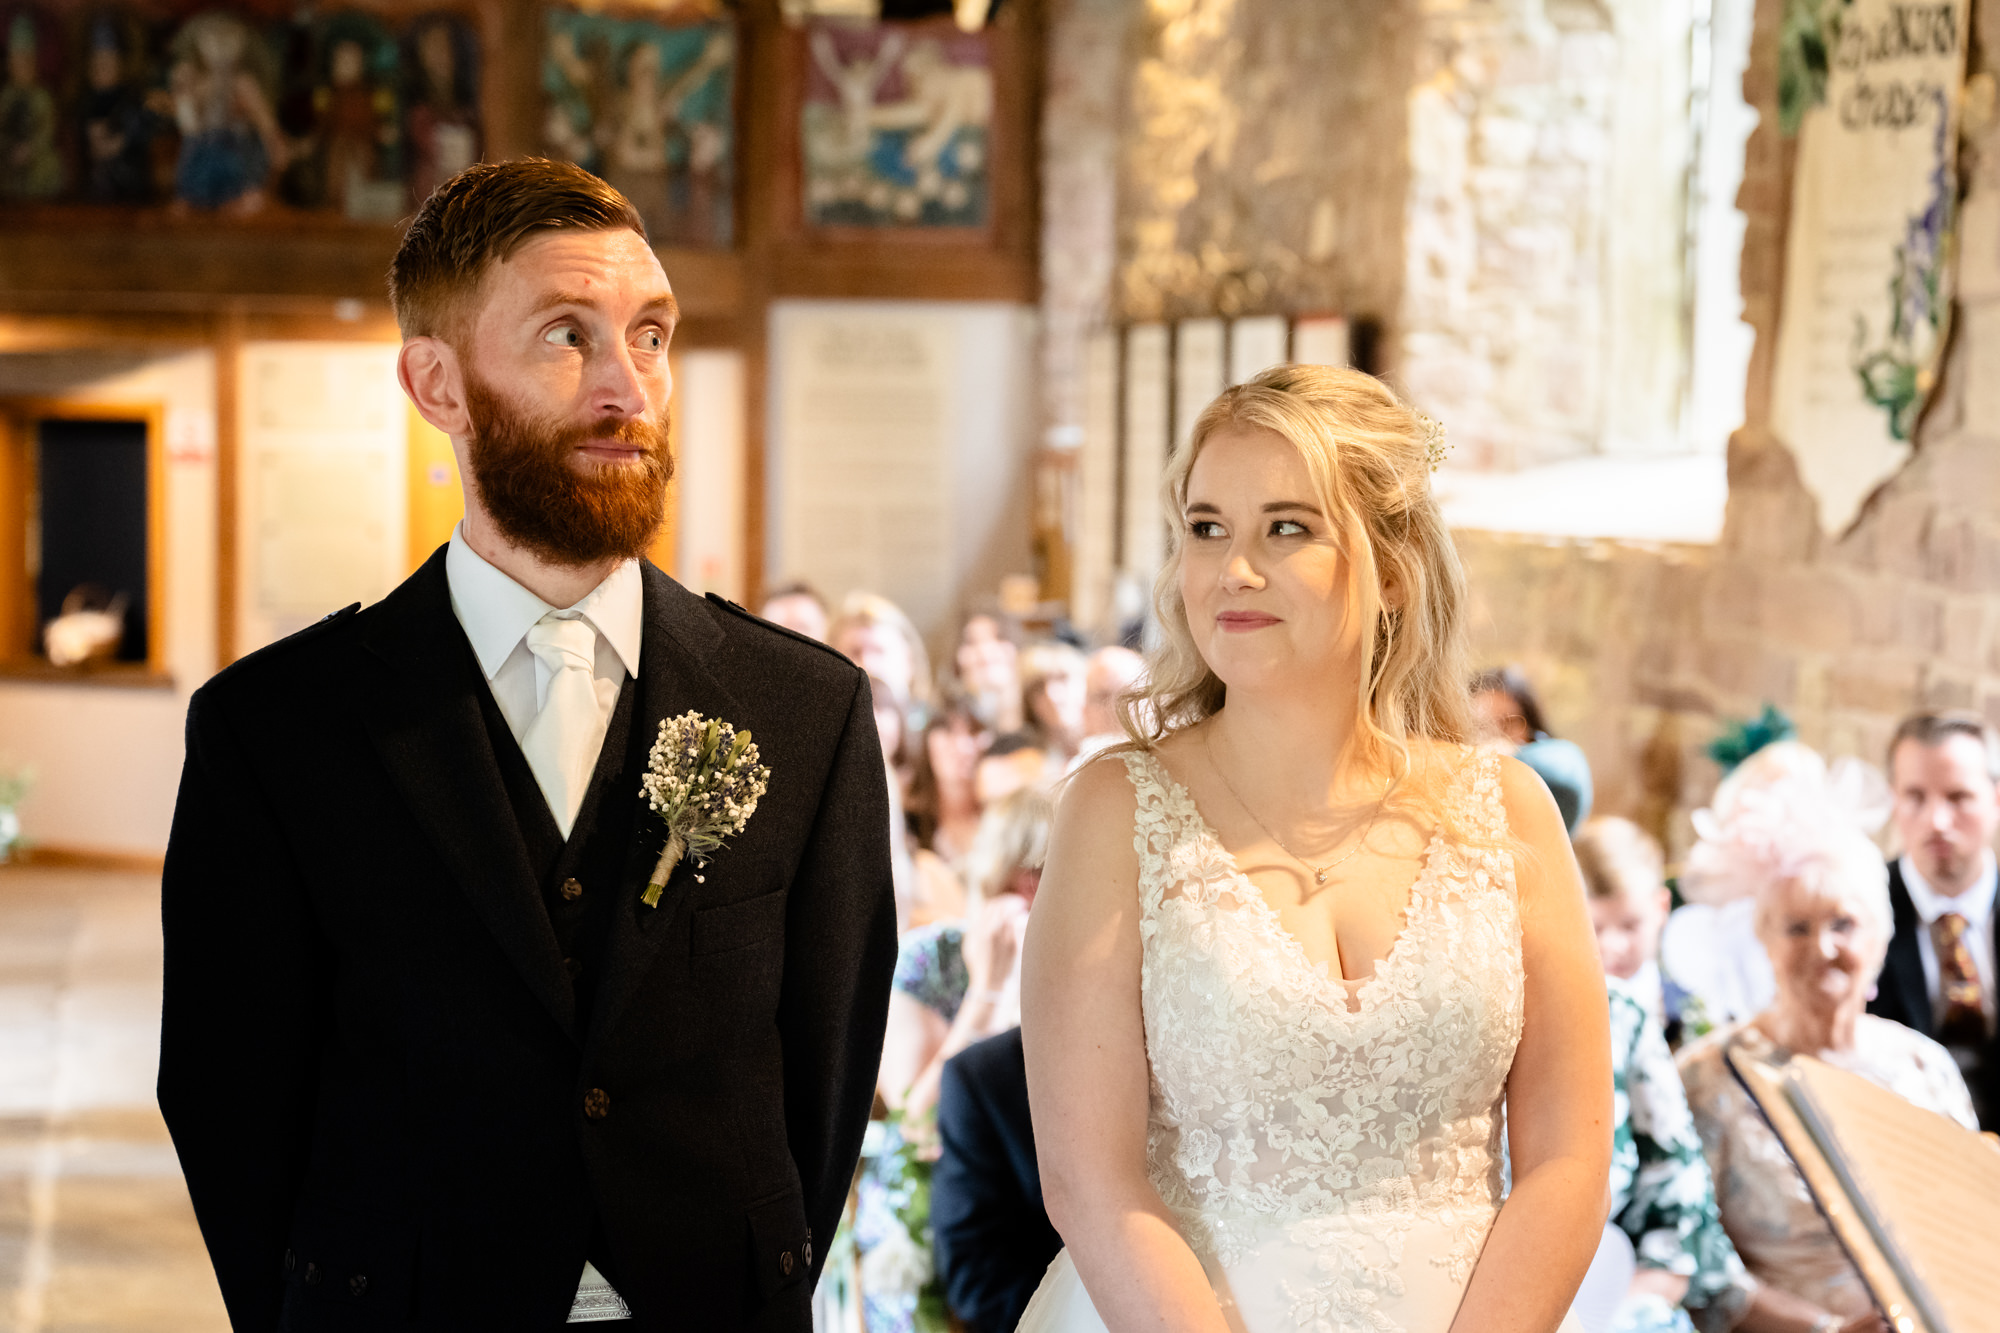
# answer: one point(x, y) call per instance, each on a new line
point(900, 450)
point(1871, 89)
point(323, 490)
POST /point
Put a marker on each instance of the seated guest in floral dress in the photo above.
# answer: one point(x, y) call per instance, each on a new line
point(1661, 1194)
point(1822, 914)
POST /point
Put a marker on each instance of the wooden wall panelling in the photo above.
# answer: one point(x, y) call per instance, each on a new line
point(229, 341)
point(17, 490)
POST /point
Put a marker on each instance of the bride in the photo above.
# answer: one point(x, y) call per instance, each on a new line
point(1297, 947)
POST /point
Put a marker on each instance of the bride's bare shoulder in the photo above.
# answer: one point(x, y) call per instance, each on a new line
point(1101, 786)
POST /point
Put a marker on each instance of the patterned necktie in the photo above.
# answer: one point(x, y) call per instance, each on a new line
point(1961, 1008)
point(561, 744)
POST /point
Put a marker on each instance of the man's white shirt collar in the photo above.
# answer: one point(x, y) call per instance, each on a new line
point(1975, 904)
point(497, 612)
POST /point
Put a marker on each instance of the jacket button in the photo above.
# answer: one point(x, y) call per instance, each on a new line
point(785, 1263)
point(571, 890)
point(358, 1284)
point(809, 1254)
point(312, 1275)
point(573, 966)
point(291, 1262)
point(597, 1103)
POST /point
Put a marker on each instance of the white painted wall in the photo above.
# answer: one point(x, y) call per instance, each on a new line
point(708, 470)
point(107, 758)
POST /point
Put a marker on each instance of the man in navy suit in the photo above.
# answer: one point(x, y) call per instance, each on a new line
point(992, 1234)
point(1939, 975)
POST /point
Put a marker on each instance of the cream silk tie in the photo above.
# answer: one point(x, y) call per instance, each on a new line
point(562, 742)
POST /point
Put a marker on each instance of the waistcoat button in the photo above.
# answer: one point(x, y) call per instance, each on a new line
point(597, 1103)
point(571, 890)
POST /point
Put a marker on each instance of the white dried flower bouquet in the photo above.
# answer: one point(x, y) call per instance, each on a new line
point(702, 779)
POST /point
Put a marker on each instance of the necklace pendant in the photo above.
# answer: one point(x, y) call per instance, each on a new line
point(1319, 876)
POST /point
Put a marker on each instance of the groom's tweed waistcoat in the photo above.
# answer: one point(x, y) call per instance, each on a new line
point(577, 876)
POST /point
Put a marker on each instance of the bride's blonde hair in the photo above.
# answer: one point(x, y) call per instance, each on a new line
point(1369, 456)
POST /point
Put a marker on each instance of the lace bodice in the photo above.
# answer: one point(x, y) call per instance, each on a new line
point(1280, 1111)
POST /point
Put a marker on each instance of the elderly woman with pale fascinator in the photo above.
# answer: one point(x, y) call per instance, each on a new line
point(1785, 833)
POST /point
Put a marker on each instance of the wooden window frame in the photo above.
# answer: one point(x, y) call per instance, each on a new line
point(19, 489)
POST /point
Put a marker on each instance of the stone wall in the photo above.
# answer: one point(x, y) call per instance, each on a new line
point(1544, 307)
point(1644, 652)
point(1261, 171)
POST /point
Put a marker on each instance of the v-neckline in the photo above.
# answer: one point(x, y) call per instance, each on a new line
point(1355, 993)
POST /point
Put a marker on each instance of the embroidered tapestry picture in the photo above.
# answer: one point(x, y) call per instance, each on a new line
point(649, 107)
point(894, 127)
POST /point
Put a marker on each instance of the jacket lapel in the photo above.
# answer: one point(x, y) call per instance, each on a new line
point(1903, 970)
point(674, 677)
point(425, 721)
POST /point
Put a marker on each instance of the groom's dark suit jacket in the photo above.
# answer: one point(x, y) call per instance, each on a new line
point(421, 1057)
point(1902, 994)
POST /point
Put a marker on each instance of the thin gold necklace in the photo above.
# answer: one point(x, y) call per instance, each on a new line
point(1319, 873)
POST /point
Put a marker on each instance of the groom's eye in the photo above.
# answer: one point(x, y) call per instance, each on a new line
point(564, 335)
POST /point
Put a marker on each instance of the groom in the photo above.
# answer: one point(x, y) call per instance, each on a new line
point(428, 1059)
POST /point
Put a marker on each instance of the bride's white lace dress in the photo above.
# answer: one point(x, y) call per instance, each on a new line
point(1332, 1154)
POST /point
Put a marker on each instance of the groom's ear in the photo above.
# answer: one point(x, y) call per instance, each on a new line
point(429, 370)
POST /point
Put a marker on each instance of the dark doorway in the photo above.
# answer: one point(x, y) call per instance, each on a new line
point(92, 520)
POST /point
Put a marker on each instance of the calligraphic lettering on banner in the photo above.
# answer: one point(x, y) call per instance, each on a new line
point(1871, 90)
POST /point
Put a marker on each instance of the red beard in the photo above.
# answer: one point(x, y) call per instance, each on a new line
point(541, 502)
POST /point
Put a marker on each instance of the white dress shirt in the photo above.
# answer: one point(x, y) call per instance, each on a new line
point(1976, 906)
point(496, 614)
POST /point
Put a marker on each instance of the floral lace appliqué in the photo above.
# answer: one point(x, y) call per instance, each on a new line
point(1283, 1114)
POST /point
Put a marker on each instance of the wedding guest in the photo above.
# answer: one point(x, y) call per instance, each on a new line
point(913, 906)
point(799, 608)
point(1506, 707)
point(872, 632)
point(943, 802)
point(956, 983)
point(1113, 671)
point(1662, 1198)
point(991, 1232)
point(1053, 688)
point(959, 982)
point(1010, 764)
point(989, 671)
point(1939, 977)
point(1791, 843)
point(1512, 722)
point(1624, 874)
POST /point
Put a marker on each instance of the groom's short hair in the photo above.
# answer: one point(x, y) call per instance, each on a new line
point(478, 218)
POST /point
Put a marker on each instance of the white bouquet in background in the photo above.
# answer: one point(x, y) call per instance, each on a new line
point(897, 1268)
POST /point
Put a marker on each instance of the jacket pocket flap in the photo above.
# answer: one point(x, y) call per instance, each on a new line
point(734, 925)
point(780, 1244)
point(366, 1267)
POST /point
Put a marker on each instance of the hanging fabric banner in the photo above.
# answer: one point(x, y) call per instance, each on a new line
point(1871, 90)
